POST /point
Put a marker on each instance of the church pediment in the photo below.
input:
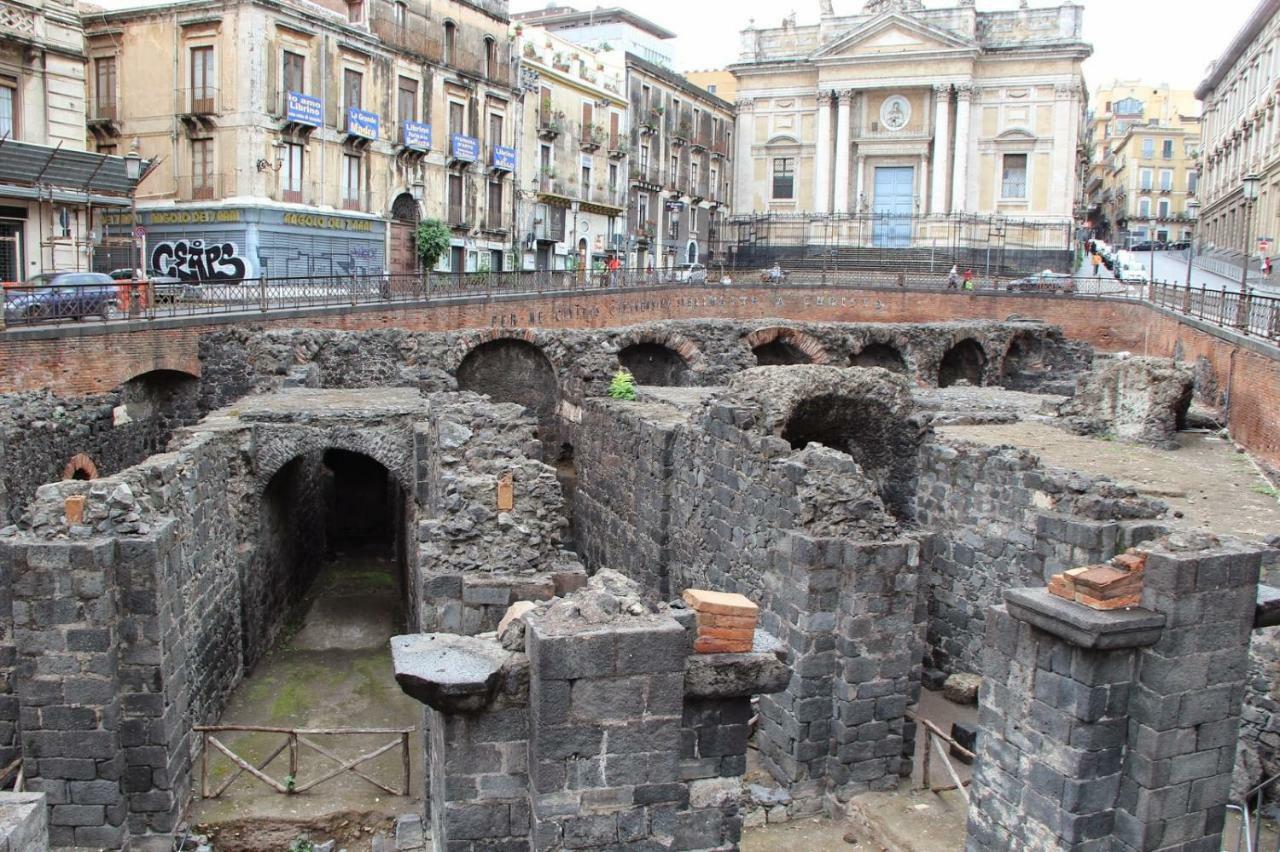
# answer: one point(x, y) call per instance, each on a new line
point(892, 33)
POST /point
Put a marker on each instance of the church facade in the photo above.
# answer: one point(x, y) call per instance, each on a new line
point(893, 124)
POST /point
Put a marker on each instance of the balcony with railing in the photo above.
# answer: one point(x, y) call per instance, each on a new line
point(617, 146)
point(201, 101)
point(591, 138)
point(551, 123)
point(646, 173)
point(299, 192)
point(681, 134)
point(206, 187)
point(650, 120)
point(357, 200)
point(104, 117)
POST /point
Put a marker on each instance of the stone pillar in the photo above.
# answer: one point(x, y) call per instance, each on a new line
point(743, 162)
point(859, 199)
point(822, 156)
point(1117, 729)
point(941, 148)
point(959, 200)
point(841, 204)
point(66, 628)
point(1184, 711)
point(1062, 182)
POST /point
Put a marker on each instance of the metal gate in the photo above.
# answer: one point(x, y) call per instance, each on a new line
point(10, 251)
point(894, 206)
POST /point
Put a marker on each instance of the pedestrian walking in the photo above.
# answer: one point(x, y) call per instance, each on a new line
point(1266, 266)
point(968, 279)
point(953, 278)
point(614, 265)
point(1097, 263)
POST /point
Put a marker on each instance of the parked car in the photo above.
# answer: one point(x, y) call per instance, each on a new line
point(57, 295)
point(689, 273)
point(166, 288)
point(1043, 282)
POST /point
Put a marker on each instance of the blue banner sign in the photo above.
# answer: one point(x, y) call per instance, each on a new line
point(466, 148)
point(504, 158)
point(416, 135)
point(303, 109)
point(362, 123)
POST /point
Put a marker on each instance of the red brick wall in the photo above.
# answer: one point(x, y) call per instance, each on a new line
point(86, 362)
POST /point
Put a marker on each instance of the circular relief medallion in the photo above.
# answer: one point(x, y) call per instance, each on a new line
point(895, 112)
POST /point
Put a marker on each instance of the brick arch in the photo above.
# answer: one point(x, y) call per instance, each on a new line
point(284, 447)
point(677, 343)
point(80, 463)
point(806, 343)
point(468, 341)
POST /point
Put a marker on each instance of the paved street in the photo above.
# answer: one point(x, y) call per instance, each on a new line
point(1171, 267)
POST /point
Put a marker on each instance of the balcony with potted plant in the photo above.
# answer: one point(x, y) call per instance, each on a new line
point(550, 123)
point(593, 136)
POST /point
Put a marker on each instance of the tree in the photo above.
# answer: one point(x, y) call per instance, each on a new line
point(432, 241)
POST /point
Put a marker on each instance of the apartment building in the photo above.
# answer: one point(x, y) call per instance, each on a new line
point(309, 138)
point(1241, 136)
point(1142, 138)
point(51, 190)
point(573, 153)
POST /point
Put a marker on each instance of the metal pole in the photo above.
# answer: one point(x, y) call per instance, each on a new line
point(1244, 248)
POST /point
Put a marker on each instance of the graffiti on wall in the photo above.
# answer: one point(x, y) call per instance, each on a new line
point(197, 260)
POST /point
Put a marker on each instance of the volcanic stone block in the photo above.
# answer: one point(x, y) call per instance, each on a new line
point(452, 674)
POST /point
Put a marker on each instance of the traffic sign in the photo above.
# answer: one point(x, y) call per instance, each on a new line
point(139, 232)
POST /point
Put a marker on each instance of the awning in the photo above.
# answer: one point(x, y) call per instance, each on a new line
point(83, 174)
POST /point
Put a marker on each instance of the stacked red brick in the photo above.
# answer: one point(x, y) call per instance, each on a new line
point(1115, 585)
point(726, 622)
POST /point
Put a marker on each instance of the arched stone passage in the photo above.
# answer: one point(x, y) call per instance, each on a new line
point(509, 369)
point(336, 511)
point(779, 353)
point(883, 355)
point(80, 467)
point(781, 346)
point(965, 361)
point(654, 364)
point(869, 431)
point(164, 400)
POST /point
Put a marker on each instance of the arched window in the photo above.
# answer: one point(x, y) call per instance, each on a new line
point(450, 42)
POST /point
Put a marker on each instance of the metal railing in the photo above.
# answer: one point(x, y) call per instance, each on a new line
point(1249, 834)
point(1248, 314)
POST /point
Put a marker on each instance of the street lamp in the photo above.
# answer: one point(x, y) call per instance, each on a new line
point(1249, 189)
point(1193, 207)
point(133, 171)
point(1151, 246)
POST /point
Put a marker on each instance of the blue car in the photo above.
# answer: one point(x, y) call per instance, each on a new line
point(61, 295)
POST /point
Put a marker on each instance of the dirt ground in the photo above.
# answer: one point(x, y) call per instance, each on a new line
point(1213, 486)
point(333, 671)
point(907, 820)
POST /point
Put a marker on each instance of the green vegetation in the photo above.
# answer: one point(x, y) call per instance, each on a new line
point(1268, 490)
point(623, 385)
point(432, 241)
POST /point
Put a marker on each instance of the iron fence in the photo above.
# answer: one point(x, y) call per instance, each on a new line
point(1249, 313)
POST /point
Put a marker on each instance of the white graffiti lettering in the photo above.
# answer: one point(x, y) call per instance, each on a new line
point(194, 260)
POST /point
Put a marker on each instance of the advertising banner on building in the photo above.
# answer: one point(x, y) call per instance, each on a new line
point(303, 109)
point(417, 135)
point(363, 123)
point(504, 158)
point(465, 148)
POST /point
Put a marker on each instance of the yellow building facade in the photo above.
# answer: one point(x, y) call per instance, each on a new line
point(719, 82)
point(909, 117)
point(573, 151)
point(310, 138)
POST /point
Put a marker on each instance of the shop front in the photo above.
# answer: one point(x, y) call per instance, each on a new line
point(211, 244)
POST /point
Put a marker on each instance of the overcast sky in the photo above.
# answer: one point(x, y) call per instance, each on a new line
point(1159, 41)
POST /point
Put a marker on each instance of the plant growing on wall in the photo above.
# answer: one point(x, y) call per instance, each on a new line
point(623, 385)
point(432, 241)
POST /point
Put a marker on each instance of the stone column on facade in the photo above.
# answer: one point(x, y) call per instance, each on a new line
point(743, 161)
point(841, 204)
point(860, 199)
point(960, 179)
point(941, 148)
point(1060, 184)
point(822, 156)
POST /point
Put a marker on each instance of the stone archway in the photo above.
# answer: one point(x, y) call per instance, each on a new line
point(660, 358)
point(884, 355)
point(965, 361)
point(781, 345)
point(512, 369)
